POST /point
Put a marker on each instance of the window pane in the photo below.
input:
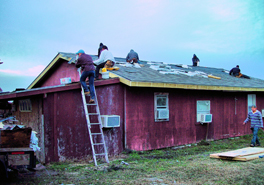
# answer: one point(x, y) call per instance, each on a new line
point(161, 101)
point(203, 107)
point(161, 108)
point(25, 105)
point(251, 101)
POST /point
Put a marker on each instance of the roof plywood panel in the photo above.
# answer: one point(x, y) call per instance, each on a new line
point(240, 152)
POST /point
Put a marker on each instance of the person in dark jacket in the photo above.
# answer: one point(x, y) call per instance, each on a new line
point(235, 71)
point(100, 49)
point(132, 57)
point(195, 60)
point(86, 63)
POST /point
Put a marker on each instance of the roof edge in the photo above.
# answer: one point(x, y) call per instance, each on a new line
point(53, 89)
point(56, 58)
point(182, 86)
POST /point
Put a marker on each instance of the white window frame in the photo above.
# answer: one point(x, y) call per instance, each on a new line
point(164, 108)
point(202, 111)
point(25, 105)
point(251, 100)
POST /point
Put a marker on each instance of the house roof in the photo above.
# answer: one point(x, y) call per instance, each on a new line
point(186, 78)
point(158, 74)
point(51, 89)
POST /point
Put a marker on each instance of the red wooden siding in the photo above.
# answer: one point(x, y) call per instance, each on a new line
point(60, 70)
point(66, 133)
point(143, 133)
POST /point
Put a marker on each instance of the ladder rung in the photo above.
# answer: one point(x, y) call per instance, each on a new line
point(98, 143)
point(96, 133)
point(95, 124)
point(93, 113)
point(91, 104)
point(100, 154)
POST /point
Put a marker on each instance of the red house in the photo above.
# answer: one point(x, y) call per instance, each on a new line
point(160, 105)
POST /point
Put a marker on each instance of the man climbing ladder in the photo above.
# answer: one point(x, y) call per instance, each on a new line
point(86, 63)
point(93, 113)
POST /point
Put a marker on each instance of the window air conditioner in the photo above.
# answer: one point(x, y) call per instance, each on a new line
point(110, 121)
point(262, 112)
point(205, 118)
point(163, 114)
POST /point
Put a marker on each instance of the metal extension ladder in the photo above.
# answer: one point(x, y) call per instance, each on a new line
point(94, 129)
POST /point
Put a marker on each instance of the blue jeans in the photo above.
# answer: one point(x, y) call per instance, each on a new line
point(255, 139)
point(91, 75)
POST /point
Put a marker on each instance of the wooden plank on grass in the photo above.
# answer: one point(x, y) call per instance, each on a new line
point(242, 152)
point(239, 158)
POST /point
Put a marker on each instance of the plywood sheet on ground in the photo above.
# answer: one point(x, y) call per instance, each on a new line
point(244, 154)
point(242, 158)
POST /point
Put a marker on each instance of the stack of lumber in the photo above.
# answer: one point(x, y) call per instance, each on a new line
point(244, 154)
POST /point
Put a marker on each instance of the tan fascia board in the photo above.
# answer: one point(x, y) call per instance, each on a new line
point(182, 86)
point(45, 70)
point(66, 58)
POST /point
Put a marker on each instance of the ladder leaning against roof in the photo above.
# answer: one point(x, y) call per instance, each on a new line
point(94, 129)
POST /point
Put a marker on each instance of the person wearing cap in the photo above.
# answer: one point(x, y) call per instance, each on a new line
point(256, 122)
point(132, 57)
point(235, 71)
point(106, 60)
point(86, 63)
point(195, 60)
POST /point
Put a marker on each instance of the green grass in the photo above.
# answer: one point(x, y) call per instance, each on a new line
point(189, 165)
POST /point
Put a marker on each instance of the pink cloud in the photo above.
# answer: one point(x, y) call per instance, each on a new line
point(17, 72)
point(34, 71)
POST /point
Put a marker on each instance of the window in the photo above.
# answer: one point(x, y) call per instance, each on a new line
point(25, 105)
point(203, 107)
point(251, 101)
point(161, 108)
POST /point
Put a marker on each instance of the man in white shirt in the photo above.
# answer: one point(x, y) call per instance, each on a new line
point(106, 59)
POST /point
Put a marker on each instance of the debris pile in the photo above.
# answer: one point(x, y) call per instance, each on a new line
point(13, 135)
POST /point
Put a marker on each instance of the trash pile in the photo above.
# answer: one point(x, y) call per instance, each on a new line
point(126, 64)
point(7, 140)
point(167, 69)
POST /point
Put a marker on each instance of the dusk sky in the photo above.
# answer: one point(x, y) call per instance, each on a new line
point(222, 33)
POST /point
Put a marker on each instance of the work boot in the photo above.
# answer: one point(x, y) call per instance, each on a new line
point(87, 93)
point(91, 101)
point(251, 145)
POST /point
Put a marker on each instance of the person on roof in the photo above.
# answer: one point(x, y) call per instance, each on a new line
point(235, 71)
point(132, 57)
point(256, 122)
point(195, 60)
point(106, 60)
point(86, 63)
point(100, 49)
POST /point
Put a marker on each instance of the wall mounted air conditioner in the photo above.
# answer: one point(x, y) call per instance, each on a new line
point(262, 112)
point(162, 113)
point(205, 118)
point(109, 121)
